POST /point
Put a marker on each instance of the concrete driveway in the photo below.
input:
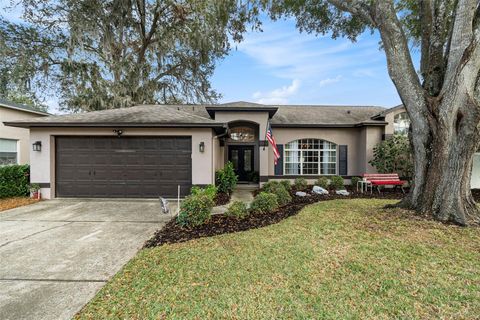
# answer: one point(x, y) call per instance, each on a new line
point(55, 255)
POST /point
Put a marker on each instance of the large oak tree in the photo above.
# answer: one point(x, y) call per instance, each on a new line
point(442, 98)
point(116, 53)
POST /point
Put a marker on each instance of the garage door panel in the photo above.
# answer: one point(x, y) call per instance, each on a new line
point(123, 167)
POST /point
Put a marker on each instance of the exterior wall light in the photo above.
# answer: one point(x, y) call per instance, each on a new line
point(37, 146)
point(201, 147)
point(118, 132)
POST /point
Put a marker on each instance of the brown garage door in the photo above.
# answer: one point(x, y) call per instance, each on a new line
point(132, 167)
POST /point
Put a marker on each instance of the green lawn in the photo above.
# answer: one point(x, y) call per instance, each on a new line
point(337, 259)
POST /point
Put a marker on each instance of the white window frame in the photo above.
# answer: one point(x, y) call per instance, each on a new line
point(16, 152)
point(402, 125)
point(300, 150)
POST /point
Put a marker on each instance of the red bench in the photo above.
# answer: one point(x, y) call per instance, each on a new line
point(383, 179)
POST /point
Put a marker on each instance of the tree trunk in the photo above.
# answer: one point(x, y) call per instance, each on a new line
point(443, 169)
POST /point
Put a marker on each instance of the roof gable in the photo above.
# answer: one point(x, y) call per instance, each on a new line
point(21, 107)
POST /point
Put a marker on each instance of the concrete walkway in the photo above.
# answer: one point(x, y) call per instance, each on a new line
point(55, 255)
point(243, 192)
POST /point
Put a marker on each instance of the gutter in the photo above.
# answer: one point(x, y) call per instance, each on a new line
point(354, 125)
point(109, 125)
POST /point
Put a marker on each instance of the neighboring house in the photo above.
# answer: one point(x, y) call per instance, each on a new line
point(399, 123)
point(150, 150)
point(15, 142)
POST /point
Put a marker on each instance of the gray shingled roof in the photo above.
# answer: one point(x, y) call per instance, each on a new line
point(197, 115)
point(11, 105)
point(325, 115)
point(137, 115)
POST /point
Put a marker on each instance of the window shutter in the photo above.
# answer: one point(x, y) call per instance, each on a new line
point(342, 160)
point(279, 166)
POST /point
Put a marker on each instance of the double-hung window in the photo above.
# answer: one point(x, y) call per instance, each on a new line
point(8, 152)
point(310, 157)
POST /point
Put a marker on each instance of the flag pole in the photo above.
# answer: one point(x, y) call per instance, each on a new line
point(265, 138)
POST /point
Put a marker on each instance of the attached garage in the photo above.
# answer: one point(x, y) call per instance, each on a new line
point(122, 167)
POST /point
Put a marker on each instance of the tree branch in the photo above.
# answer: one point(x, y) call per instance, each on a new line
point(399, 61)
point(462, 36)
point(354, 7)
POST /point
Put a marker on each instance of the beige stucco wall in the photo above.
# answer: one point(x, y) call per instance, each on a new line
point(20, 134)
point(43, 162)
point(360, 142)
point(261, 118)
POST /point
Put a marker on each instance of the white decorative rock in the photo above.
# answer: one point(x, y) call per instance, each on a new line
point(319, 190)
point(343, 192)
point(301, 194)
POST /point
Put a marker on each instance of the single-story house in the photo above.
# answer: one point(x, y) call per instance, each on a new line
point(15, 142)
point(154, 150)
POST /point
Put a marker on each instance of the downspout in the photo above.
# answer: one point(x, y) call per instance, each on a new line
point(214, 138)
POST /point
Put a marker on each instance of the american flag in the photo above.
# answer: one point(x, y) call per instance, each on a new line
point(271, 139)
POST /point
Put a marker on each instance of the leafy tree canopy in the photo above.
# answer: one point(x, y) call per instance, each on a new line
point(116, 53)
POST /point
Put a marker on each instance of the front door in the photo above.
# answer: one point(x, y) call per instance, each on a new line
point(242, 159)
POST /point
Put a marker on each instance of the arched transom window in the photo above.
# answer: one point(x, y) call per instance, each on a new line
point(401, 123)
point(310, 156)
point(242, 134)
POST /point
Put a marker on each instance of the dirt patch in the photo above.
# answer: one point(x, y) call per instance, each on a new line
point(220, 224)
point(11, 203)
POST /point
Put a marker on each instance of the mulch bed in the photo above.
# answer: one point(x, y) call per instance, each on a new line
point(222, 199)
point(220, 224)
point(10, 203)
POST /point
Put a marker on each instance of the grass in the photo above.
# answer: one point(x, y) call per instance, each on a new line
point(343, 259)
point(10, 203)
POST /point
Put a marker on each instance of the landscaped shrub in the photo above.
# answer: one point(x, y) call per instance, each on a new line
point(323, 182)
point(270, 186)
point(237, 209)
point(301, 184)
point(226, 179)
point(14, 181)
point(354, 181)
point(264, 203)
point(210, 191)
point(195, 210)
point(337, 183)
point(283, 196)
point(253, 176)
point(287, 184)
point(394, 155)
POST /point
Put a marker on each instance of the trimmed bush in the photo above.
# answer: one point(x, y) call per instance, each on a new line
point(210, 191)
point(14, 181)
point(354, 181)
point(283, 196)
point(301, 184)
point(237, 209)
point(264, 203)
point(286, 184)
point(226, 179)
point(195, 210)
point(270, 186)
point(323, 182)
point(337, 183)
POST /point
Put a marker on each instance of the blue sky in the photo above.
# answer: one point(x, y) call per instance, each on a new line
point(282, 66)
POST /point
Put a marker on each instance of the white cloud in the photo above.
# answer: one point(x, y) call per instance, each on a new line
point(327, 81)
point(288, 54)
point(364, 73)
point(278, 96)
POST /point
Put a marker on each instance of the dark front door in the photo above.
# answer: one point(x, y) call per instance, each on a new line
point(242, 159)
point(131, 167)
